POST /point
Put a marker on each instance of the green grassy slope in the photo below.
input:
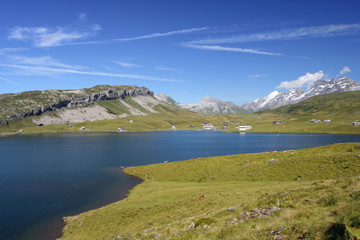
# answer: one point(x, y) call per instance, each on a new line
point(336, 104)
point(342, 108)
point(317, 191)
point(19, 103)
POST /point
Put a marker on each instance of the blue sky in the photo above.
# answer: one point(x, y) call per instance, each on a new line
point(233, 50)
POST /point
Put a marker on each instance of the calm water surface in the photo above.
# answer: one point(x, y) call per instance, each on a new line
point(46, 177)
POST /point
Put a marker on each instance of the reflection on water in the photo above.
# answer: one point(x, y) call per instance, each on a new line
point(46, 177)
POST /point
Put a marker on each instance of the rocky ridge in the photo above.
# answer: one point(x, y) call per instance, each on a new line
point(207, 105)
point(277, 99)
point(35, 103)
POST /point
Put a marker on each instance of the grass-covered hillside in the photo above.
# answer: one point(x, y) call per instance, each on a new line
point(336, 104)
point(303, 194)
point(341, 108)
point(20, 103)
point(147, 113)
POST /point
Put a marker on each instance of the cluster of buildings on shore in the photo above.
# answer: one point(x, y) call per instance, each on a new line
point(355, 123)
point(239, 127)
point(319, 121)
point(209, 126)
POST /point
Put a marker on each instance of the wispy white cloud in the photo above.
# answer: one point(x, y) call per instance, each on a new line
point(7, 80)
point(287, 34)
point(125, 64)
point(230, 49)
point(164, 68)
point(306, 80)
point(41, 61)
point(44, 70)
point(146, 36)
point(57, 36)
point(4, 51)
point(345, 70)
point(44, 37)
point(258, 75)
point(156, 35)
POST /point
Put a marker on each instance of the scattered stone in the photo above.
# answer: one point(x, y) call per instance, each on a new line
point(192, 225)
point(158, 235)
point(247, 163)
point(234, 221)
point(273, 160)
point(258, 213)
point(231, 209)
point(4, 122)
point(310, 200)
point(148, 230)
point(277, 231)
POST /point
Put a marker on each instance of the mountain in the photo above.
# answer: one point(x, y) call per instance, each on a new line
point(277, 99)
point(72, 106)
point(339, 104)
point(165, 98)
point(210, 105)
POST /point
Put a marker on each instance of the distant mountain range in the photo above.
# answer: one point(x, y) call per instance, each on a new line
point(113, 102)
point(207, 105)
point(277, 99)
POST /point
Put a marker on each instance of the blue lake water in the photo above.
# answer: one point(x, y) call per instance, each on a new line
point(46, 177)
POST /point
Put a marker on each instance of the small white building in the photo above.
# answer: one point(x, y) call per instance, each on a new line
point(327, 121)
point(315, 120)
point(208, 126)
point(173, 127)
point(243, 128)
point(121, 129)
point(356, 123)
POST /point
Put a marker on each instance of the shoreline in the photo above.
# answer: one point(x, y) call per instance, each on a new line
point(124, 197)
point(4, 135)
point(68, 219)
point(146, 180)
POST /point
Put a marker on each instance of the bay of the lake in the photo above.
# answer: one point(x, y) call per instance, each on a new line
point(46, 177)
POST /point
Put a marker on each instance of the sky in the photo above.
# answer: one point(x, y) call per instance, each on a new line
point(233, 50)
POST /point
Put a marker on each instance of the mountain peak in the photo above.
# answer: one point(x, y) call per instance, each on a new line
point(210, 105)
point(277, 99)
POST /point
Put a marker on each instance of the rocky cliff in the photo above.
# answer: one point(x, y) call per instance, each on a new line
point(34, 103)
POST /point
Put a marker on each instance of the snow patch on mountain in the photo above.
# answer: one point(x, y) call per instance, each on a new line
point(278, 99)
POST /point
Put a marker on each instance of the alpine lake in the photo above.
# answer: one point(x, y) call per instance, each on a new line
point(46, 177)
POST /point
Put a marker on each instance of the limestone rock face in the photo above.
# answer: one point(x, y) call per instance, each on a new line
point(19, 105)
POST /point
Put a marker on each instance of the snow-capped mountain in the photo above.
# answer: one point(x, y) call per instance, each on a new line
point(210, 105)
point(278, 99)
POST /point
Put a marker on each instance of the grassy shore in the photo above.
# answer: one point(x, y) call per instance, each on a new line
point(304, 194)
point(262, 122)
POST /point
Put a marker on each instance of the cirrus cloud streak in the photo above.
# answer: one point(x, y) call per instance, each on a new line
point(230, 49)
